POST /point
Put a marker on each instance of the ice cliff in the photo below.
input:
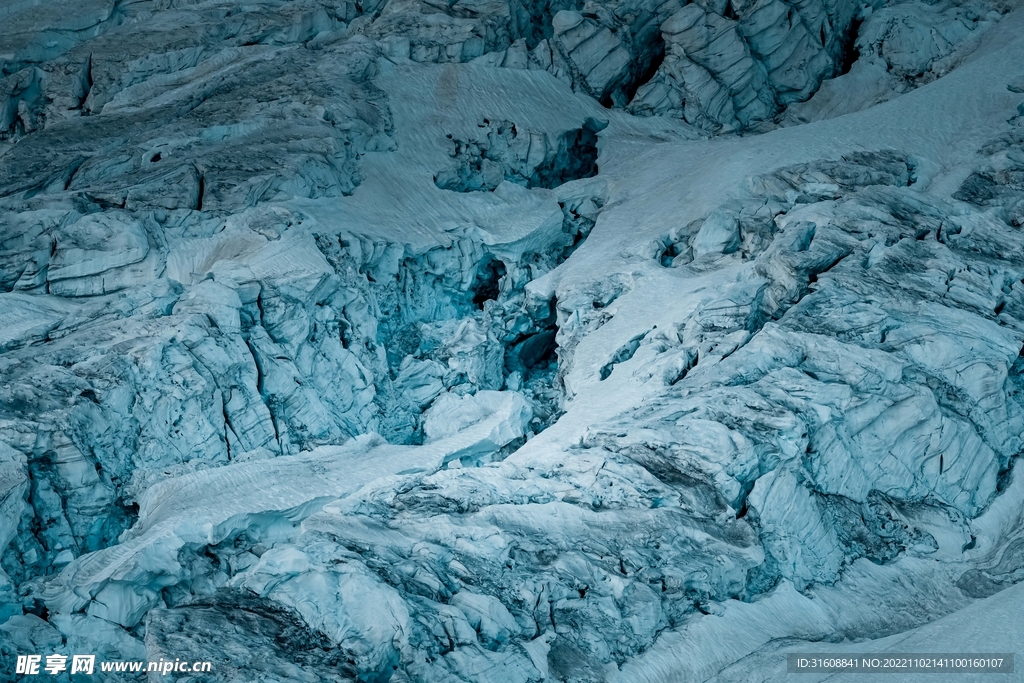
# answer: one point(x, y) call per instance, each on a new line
point(506, 342)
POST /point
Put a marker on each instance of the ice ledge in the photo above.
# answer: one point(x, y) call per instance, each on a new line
point(121, 583)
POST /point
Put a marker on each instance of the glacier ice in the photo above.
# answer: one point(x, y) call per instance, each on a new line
point(509, 341)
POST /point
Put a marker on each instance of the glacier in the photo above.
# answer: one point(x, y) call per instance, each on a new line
point(505, 341)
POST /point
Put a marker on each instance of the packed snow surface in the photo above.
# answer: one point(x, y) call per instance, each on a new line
point(506, 342)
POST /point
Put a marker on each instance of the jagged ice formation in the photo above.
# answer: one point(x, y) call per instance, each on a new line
point(510, 341)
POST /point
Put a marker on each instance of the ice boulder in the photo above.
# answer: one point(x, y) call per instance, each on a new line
point(720, 234)
point(452, 413)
